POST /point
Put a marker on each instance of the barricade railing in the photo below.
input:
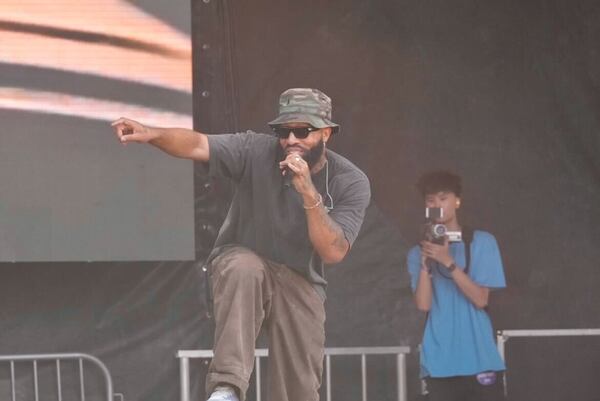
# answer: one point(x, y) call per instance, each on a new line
point(400, 353)
point(12, 361)
point(502, 336)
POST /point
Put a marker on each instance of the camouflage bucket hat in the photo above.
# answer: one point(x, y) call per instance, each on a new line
point(305, 105)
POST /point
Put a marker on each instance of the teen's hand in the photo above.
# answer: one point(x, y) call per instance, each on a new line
point(439, 253)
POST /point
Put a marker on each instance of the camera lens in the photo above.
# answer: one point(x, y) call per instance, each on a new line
point(438, 230)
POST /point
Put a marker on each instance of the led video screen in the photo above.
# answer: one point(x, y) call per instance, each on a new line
point(70, 190)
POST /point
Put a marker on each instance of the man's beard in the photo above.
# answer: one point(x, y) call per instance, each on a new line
point(313, 155)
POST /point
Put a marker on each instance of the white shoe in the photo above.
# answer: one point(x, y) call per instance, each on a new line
point(223, 393)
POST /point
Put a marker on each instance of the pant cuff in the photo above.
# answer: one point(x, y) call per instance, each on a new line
point(213, 379)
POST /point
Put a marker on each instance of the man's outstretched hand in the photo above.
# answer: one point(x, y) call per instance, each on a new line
point(131, 131)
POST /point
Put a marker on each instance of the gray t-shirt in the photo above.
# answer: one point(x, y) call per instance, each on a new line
point(267, 216)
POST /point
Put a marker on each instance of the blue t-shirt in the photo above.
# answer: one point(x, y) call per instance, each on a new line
point(458, 338)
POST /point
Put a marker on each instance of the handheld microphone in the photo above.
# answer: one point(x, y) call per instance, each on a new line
point(289, 174)
point(287, 178)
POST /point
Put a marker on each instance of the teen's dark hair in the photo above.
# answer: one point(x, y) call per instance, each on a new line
point(439, 181)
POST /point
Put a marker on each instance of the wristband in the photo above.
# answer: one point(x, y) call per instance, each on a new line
point(452, 267)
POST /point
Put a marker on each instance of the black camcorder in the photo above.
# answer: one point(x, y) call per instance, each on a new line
point(434, 231)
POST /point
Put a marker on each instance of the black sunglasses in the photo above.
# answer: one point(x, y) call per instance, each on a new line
point(299, 132)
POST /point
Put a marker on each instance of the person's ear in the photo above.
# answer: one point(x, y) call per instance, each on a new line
point(326, 134)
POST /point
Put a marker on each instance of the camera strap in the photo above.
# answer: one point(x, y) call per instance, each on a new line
point(467, 238)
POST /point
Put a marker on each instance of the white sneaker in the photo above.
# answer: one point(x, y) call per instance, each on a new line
point(223, 393)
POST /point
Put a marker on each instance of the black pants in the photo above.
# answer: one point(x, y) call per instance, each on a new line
point(464, 388)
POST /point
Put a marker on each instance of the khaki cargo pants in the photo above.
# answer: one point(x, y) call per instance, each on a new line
point(250, 292)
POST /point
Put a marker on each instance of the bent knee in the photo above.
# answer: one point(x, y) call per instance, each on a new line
point(239, 262)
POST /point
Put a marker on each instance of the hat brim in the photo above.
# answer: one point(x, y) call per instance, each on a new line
point(315, 121)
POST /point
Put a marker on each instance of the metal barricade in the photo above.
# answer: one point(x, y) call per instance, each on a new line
point(502, 336)
point(12, 360)
point(400, 352)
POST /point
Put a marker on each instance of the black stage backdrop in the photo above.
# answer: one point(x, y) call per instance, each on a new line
point(505, 93)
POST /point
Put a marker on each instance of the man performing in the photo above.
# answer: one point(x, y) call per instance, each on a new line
point(297, 205)
point(451, 281)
